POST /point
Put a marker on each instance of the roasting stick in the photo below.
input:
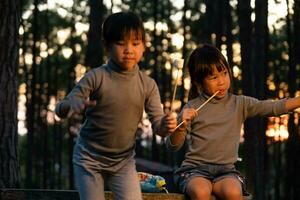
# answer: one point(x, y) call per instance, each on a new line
point(199, 107)
point(179, 64)
point(174, 92)
point(207, 100)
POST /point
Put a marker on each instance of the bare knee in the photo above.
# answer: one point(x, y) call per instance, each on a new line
point(228, 188)
point(199, 193)
point(233, 194)
point(199, 188)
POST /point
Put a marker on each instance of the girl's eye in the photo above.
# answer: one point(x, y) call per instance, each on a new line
point(120, 43)
point(136, 43)
point(212, 77)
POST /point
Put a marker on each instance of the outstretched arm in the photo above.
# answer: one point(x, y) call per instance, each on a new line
point(67, 108)
point(292, 103)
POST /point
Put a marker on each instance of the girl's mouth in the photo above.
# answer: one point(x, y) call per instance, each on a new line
point(128, 58)
point(222, 92)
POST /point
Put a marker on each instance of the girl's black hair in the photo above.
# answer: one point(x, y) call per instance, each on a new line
point(201, 62)
point(120, 25)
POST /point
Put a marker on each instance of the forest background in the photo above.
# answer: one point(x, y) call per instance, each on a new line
point(47, 45)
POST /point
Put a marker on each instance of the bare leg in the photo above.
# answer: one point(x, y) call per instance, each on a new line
point(199, 188)
point(228, 189)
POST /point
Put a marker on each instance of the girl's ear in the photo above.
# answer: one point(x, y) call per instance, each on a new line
point(106, 45)
point(195, 90)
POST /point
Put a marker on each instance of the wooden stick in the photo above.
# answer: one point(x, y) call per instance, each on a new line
point(174, 92)
point(207, 100)
point(199, 107)
point(179, 64)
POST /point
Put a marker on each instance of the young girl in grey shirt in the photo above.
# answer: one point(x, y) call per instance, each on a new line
point(214, 130)
point(114, 97)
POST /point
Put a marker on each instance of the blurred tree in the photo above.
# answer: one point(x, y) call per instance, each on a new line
point(253, 39)
point(31, 103)
point(156, 72)
point(52, 42)
point(259, 63)
point(293, 143)
point(9, 55)
point(94, 54)
point(245, 24)
point(185, 27)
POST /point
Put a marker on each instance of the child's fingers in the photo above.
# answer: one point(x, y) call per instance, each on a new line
point(171, 124)
point(171, 116)
point(193, 113)
point(182, 126)
point(169, 121)
point(90, 103)
point(70, 113)
point(76, 106)
point(189, 114)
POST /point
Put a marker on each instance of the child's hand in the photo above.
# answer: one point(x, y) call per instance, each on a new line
point(189, 114)
point(177, 136)
point(77, 105)
point(186, 117)
point(169, 122)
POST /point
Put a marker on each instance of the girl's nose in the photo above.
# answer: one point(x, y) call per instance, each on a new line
point(221, 81)
point(128, 48)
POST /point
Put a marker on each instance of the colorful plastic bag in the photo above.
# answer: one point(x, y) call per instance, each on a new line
point(152, 183)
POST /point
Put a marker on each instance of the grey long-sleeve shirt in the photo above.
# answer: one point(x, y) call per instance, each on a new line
point(110, 127)
point(214, 134)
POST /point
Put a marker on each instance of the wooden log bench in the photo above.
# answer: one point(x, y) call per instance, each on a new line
point(45, 194)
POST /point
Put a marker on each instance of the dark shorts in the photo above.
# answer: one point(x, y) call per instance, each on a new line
point(211, 172)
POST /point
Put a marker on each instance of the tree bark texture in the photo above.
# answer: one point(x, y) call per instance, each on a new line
point(253, 39)
point(95, 51)
point(9, 55)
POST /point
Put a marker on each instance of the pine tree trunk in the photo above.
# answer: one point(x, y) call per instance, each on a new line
point(94, 55)
point(253, 41)
point(156, 76)
point(259, 63)
point(292, 144)
point(244, 19)
point(9, 58)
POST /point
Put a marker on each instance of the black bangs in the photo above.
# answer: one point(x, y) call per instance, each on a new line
point(120, 26)
point(126, 27)
point(203, 60)
point(129, 33)
point(206, 68)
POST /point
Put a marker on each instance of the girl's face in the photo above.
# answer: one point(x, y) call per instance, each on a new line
point(217, 81)
point(128, 52)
